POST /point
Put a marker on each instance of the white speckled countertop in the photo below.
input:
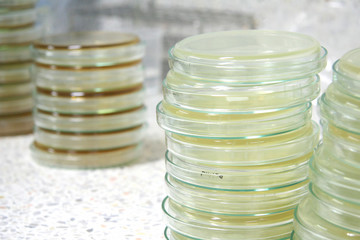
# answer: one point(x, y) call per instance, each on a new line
point(39, 202)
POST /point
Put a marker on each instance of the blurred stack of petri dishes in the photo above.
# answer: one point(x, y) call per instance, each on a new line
point(239, 134)
point(89, 99)
point(332, 209)
point(18, 29)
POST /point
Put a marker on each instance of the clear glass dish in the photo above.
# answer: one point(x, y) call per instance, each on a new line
point(340, 109)
point(89, 141)
point(251, 150)
point(89, 103)
point(203, 124)
point(89, 123)
point(15, 73)
point(16, 19)
point(16, 124)
point(20, 36)
point(247, 202)
point(346, 72)
point(335, 210)
point(204, 225)
point(92, 80)
point(15, 105)
point(248, 55)
point(16, 5)
point(334, 176)
point(218, 97)
point(239, 177)
point(310, 226)
point(89, 49)
point(15, 90)
point(15, 54)
point(85, 159)
point(342, 144)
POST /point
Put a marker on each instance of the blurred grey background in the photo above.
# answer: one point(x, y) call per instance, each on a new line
point(161, 23)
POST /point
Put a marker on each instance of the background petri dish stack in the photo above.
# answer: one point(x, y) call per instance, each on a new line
point(332, 209)
point(18, 29)
point(89, 99)
point(239, 134)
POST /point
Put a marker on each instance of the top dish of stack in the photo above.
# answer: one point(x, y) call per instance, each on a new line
point(18, 29)
point(237, 116)
point(89, 100)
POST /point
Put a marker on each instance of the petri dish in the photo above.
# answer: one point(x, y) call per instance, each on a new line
point(89, 103)
point(98, 79)
point(89, 49)
point(85, 159)
point(20, 36)
point(89, 141)
point(246, 202)
point(239, 177)
point(15, 73)
point(205, 225)
point(15, 105)
point(16, 124)
point(335, 210)
point(308, 225)
point(344, 145)
point(251, 150)
point(346, 72)
point(218, 97)
point(15, 90)
point(334, 176)
point(17, 19)
point(212, 124)
point(340, 109)
point(15, 54)
point(16, 5)
point(248, 55)
point(89, 123)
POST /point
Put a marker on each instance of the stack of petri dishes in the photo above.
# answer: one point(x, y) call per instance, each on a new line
point(89, 99)
point(239, 134)
point(332, 209)
point(18, 29)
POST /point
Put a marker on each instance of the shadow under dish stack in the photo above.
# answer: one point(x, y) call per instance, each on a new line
point(18, 29)
point(332, 209)
point(237, 116)
point(89, 99)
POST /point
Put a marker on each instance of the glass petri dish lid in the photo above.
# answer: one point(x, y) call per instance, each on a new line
point(248, 54)
point(334, 176)
point(339, 212)
point(89, 49)
point(17, 19)
point(15, 105)
point(251, 150)
point(16, 124)
point(217, 97)
point(340, 109)
point(15, 90)
point(247, 202)
point(15, 54)
point(310, 226)
point(265, 176)
point(346, 72)
point(85, 159)
point(89, 141)
point(89, 103)
point(91, 80)
point(90, 123)
point(237, 124)
point(204, 225)
point(15, 73)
